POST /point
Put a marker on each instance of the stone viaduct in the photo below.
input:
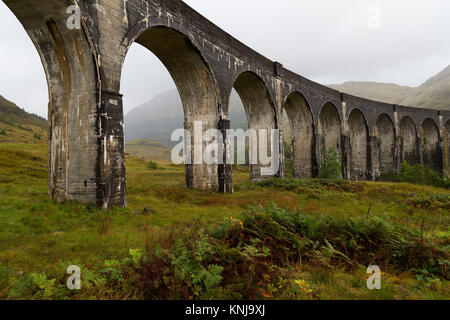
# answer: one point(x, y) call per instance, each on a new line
point(83, 69)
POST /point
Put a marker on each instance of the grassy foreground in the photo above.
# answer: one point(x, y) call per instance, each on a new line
point(281, 239)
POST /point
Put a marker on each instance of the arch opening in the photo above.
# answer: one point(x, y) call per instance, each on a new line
point(330, 133)
point(260, 113)
point(302, 136)
point(385, 135)
point(359, 143)
point(196, 88)
point(432, 154)
point(408, 142)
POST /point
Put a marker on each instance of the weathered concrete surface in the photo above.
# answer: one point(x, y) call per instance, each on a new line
point(385, 146)
point(261, 114)
point(329, 132)
point(304, 162)
point(409, 141)
point(83, 69)
point(359, 146)
point(431, 144)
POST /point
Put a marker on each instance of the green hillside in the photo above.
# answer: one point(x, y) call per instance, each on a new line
point(432, 94)
point(149, 150)
point(18, 126)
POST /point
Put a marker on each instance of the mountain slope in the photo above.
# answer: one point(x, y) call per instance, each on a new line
point(18, 126)
point(432, 94)
point(149, 150)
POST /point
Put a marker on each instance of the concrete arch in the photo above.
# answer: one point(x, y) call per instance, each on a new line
point(298, 110)
point(329, 131)
point(432, 153)
point(196, 86)
point(409, 150)
point(260, 111)
point(71, 69)
point(385, 134)
point(359, 144)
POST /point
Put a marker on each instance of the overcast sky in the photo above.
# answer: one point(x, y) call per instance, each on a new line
point(327, 41)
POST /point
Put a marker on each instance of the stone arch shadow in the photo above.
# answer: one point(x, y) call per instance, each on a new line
point(303, 137)
point(329, 133)
point(359, 146)
point(385, 160)
point(261, 114)
point(409, 141)
point(431, 146)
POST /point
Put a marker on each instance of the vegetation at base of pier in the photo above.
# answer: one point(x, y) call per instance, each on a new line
point(416, 174)
point(330, 166)
point(278, 239)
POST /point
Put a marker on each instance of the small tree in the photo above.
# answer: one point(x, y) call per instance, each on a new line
point(3, 132)
point(331, 166)
point(152, 165)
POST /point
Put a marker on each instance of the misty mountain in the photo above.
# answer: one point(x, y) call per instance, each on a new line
point(433, 93)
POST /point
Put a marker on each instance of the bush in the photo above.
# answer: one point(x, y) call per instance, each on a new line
point(416, 174)
point(331, 166)
point(152, 165)
point(37, 136)
point(3, 132)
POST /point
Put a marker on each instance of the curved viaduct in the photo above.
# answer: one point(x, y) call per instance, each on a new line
point(83, 69)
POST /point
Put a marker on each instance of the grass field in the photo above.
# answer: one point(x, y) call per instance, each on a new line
point(39, 238)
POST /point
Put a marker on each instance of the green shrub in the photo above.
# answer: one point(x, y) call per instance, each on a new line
point(331, 166)
point(416, 174)
point(37, 136)
point(152, 165)
point(421, 174)
point(390, 176)
point(3, 132)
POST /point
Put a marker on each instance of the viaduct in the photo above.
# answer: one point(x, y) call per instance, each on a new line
point(83, 69)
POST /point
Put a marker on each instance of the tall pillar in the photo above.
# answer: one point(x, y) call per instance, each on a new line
point(111, 190)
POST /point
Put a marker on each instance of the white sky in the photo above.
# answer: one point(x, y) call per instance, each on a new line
point(325, 40)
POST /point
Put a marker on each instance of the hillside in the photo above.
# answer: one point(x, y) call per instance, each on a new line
point(433, 93)
point(18, 126)
point(148, 150)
